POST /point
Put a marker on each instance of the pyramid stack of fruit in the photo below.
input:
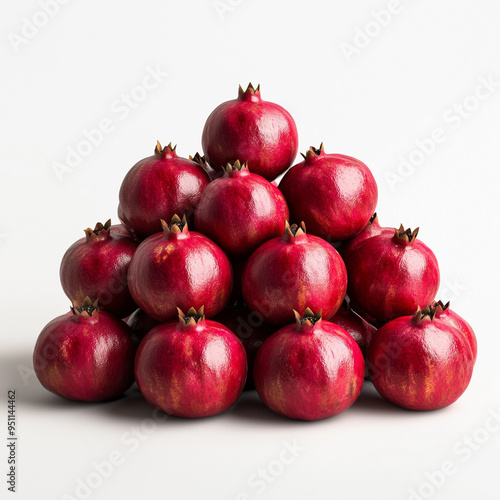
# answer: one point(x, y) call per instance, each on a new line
point(219, 280)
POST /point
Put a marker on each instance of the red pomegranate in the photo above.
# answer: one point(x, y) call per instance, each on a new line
point(179, 267)
point(241, 210)
point(250, 328)
point(444, 313)
point(360, 330)
point(335, 195)
point(251, 130)
point(391, 275)
point(295, 271)
point(193, 368)
point(420, 362)
point(141, 323)
point(86, 355)
point(371, 229)
point(97, 265)
point(158, 187)
point(309, 371)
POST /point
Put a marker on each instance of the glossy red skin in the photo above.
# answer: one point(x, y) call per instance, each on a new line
point(371, 229)
point(453, 319)
point(179, 270)
point(310, 374)
point(158, 187)
point(294, 273)
point(96, 266)
point(191, 371)
point(250, 328)
point(85, 358)
point(388, 279)
point(335, 195)
point(424, 365)
point(359, 329)
point(141, 323)
point(240, 211)
point(251, 130)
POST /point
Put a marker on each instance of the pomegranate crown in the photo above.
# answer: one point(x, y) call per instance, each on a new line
point(440, 306)
point(237, 166)
point(312, 152)
point(167, 151)
point(249, 91)
point(373, 218)
point(192, 317)
point(176, 226)
point(86, 308)
point(427, 313)
point(405, 235)
point(294, 230)
point(197, 158)
point(308, 318)
point(99, 228)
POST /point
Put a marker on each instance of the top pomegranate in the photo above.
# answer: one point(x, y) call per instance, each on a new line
point(391, 275)
point(335, 195)
point(158, 187)
point(251, 130)
point(241, 210)
point(444, 313)
point(97, 265)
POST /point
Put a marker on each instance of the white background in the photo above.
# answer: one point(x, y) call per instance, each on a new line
point(411, 77)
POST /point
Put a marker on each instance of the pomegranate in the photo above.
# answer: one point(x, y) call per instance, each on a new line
point(86, 355)
point(360, 330)
point(309, 370)
point(158, 187)
point(420, 362)
point(371, 229)
point(97, 265)
point(241, 210)
point(295, 271)
point(250, 328)
point(141, 323)
point(444, 313)
point(335, 195)
point(193, 368)
point(251, 130)
point(179, 267)
point(391, 275)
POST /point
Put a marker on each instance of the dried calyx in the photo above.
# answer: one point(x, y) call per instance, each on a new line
point(313, 152)
point(99, 228)
point(177, 225)
point(167, 151)
point(197, 158)
point(439, 306)
point(373, 218)
point(249, 91)
point(86, 308)
point(295, 230)
point(427, 313)
point(236, 166)
point(192, 317)
point(405, 235)
point(308, 318)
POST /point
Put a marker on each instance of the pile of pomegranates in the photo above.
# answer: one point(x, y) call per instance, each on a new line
point(222, 278)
